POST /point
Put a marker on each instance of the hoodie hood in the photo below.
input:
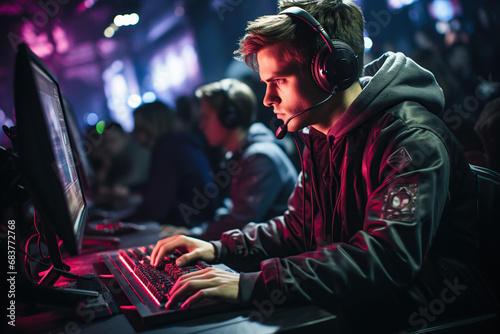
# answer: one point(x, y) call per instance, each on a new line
point(258, 132)
point(391, 79)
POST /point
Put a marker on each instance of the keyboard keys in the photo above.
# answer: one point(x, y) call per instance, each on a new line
point(158, 281)
point(129, 258)
point(139, 254)
point(153, 280)
point(174, 271)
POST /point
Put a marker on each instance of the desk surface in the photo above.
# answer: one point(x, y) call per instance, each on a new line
point(263, 319)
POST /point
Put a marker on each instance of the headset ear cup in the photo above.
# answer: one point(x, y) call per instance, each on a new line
point(335, 66)
point(230, 119)
point(337, 70)
point(319, 70)
point(345, 68)
point(229, 115)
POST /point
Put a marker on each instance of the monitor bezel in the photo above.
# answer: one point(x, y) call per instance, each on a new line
point(35, 148)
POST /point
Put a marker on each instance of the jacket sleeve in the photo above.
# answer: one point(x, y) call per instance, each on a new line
point(407, 179)
point(280, 236)
point(253, 192)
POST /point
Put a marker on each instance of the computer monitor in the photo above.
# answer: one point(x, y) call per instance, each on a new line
point(83, 164)
point(47, 157)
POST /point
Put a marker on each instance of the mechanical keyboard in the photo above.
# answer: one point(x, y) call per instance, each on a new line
point(147, 287)
point(157, 282)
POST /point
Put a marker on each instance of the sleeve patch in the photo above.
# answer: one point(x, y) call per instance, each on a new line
point(399, 159)
point(400, 202)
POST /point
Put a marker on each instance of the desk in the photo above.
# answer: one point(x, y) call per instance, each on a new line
point(55, 319)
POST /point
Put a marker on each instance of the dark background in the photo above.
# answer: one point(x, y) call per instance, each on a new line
point(179, 44)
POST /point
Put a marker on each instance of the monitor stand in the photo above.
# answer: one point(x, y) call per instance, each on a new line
point(88, 292)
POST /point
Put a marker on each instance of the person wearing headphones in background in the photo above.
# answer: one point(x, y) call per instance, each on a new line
point(179, 170)
point(259, 174)
point(380, 225)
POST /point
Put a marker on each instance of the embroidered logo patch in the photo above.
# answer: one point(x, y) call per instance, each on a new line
point(399, 159)
point(400, 202)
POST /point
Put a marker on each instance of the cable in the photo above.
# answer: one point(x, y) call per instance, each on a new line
point(40, 235)
point(27, 269)
point(294, 135)
point(36, 221)
point(63, 273)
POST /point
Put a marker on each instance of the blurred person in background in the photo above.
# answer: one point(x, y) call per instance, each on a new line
point(175, 192)
point(124, 167)
point(259, 175)
point(188, 112)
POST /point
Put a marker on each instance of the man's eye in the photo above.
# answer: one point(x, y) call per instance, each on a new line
point(278, 81)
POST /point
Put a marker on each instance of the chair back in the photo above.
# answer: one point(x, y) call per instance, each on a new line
point(488, 224)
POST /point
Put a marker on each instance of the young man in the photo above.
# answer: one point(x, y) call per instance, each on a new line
point(381, 222)
point(258, 173)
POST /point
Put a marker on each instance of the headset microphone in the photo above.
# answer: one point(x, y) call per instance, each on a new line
point(283, 128)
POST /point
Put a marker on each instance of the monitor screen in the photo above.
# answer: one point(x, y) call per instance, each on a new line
point(64, 161)
point(46, 152)
point(80, 147)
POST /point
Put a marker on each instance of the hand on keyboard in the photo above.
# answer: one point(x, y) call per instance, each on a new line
point(210, 283)
point(195, 250)
point(191, 288)
point(173, 286)
point(157, 281)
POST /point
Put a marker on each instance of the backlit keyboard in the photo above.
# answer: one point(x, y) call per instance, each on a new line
point(157, 282)
point(147, 288)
